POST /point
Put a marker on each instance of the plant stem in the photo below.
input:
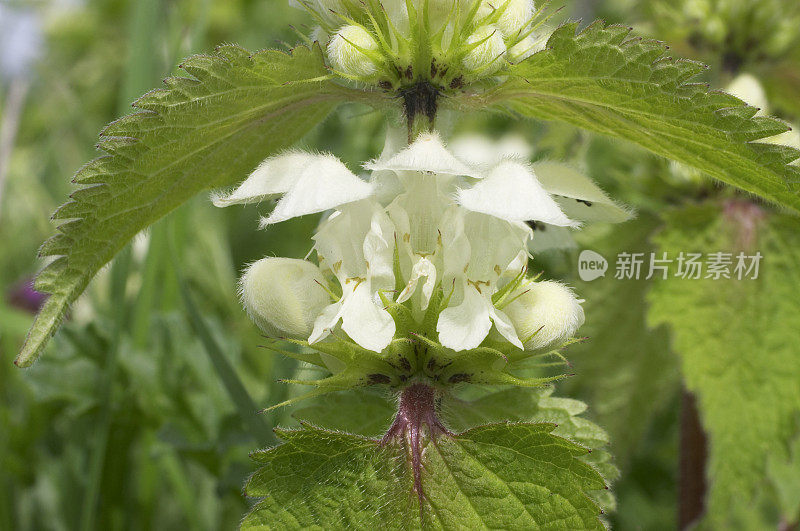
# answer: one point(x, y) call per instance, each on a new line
point(420, 105)
point(416, 414)
point(693, 454)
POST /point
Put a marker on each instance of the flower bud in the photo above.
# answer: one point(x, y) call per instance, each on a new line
point(284, 296)
point(397, 12)
point(346, 51)
point(515, 14)
point(545, 315)
point(527, 47)
point(485, 58)
point(439, 11)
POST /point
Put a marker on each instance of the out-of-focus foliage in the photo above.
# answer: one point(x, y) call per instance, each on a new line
point(737, 343)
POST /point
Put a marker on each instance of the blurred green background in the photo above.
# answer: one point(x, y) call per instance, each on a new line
point(142, 413)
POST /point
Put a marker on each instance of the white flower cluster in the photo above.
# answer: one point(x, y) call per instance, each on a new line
point(425, 226)
point(479, 34)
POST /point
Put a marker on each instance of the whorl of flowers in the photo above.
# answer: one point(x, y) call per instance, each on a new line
point(429, 249)
point(397, 43)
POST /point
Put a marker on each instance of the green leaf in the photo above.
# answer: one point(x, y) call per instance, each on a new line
point(737, 340)
point(538, 405)
point(201, 132)
point(496, 476)
point(360, 411)
point(605, 81)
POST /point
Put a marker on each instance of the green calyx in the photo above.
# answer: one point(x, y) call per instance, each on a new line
point(415, 356)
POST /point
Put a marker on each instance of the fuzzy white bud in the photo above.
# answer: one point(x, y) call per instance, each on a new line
point(527, 47)
point(284, 296)
point(514, 14)
point(485, 58)
point(546, 315)
point(346, 51)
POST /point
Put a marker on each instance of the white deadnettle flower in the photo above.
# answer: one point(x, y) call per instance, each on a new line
point(357, 245)
point(464, 224)
point(349, 50)
point(457, 226)
point(545, 314)
point(481, 249)
point(284, 296)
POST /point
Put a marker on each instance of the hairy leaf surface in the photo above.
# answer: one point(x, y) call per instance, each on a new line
point(603, 80)
point(495, 476)
point(737, 340)
point(201, 132)
point(538, 405)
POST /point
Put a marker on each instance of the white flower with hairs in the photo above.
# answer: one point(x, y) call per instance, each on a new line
point(439, 219)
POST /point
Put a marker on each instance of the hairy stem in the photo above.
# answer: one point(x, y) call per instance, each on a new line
point(415, 421)
point(420, 104)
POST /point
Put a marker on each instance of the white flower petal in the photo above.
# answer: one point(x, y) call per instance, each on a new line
point(419, 211)
point(512, 192)
point(426, 154)
point(273, 177)
point(324, 184)
point(386, 183)
point(339, 241)
point(456, 248)
point(514, 16)
point(465, 326)
point(579, 197)
point(365, 322)
point(326, 321)
point(505, 327)
point(486, 57)
point(482, 247)
point(345, 51)
point(423, 268)
point(378, 251)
